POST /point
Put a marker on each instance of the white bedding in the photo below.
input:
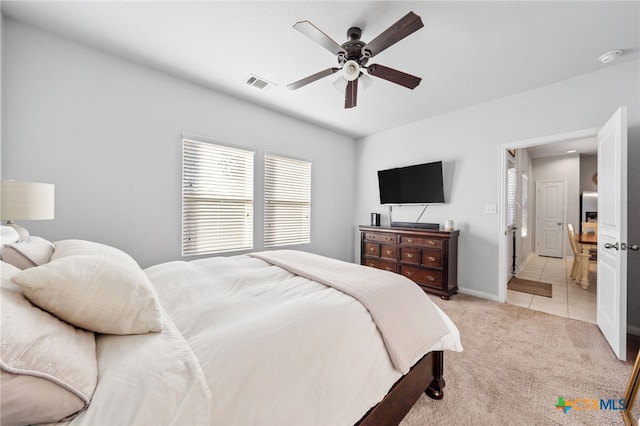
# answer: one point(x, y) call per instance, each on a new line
point(245, 342)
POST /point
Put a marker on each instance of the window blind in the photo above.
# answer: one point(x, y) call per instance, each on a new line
point(287, 201)
point(512, 182)
point(525, 205)
point(217, 198)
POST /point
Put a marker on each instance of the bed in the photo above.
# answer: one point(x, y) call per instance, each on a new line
point(272, 338)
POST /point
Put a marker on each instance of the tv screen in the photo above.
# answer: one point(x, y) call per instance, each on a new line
point(417, 184)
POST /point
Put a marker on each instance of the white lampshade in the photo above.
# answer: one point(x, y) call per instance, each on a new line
point(351, 70)
point(364, 82)
point(26, 200)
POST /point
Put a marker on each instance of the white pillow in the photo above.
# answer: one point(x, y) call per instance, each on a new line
point(27, 253)
point(49, 368)
point(93, 286)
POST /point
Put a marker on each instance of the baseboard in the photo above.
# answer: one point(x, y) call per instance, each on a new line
point(477, 293)
point(523, 264)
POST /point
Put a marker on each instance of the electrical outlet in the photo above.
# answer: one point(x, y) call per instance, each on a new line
point(490, 209)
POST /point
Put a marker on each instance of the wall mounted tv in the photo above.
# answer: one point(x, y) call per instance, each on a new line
point(418, 184)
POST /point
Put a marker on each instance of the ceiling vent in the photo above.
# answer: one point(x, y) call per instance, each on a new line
point(258, 83)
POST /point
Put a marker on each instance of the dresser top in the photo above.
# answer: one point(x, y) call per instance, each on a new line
point(410, 231)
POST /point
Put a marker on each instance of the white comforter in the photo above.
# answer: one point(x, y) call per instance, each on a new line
point(245, 342)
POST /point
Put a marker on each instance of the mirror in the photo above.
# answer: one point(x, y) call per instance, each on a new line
point(631, 392)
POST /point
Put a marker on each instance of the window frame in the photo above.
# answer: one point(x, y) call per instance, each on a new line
point(286, 203)
point(222, 200)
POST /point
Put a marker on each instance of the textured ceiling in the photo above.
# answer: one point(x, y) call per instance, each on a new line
point(467, 53)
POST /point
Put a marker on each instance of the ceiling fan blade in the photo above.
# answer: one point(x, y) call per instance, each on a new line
point(394, 76)
point(351, 94)
point(317, 76)
point(404, 27)
point(315, 34)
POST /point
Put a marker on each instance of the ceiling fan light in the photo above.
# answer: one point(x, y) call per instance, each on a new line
point(351, 70)
point(341, 85)
point(365, 82)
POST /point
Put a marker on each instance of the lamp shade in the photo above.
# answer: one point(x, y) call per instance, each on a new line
point(26, 200)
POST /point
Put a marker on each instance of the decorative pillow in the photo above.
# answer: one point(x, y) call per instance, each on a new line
point(93, 286)
point(49, 369)
point(27, 253)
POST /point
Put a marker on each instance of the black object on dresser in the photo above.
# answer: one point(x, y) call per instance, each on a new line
point(426, 256)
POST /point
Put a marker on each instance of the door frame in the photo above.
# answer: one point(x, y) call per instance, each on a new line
point(503, 251)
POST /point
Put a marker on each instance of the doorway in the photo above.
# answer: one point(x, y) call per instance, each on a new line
point(504, 265)
point(612, 177)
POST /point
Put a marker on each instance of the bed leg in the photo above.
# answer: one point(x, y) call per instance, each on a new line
point(435, 389)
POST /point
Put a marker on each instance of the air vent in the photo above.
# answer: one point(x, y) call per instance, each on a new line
point(259, 83)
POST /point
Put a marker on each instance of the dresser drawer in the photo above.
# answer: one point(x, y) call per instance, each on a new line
point(388, 252)
point(431, 258)
point(372, 249)
point(421, 276)
point(422, 242)
point(382, 238)
point(410, 255)
point(381, 264)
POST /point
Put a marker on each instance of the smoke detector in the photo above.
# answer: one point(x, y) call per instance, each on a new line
point(610, 56)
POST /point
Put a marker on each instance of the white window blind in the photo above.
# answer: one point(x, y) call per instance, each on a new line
point(525, 205)
point(512, 183)
point(217, 198)
point(287, 201)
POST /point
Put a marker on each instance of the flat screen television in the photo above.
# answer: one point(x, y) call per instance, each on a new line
point(418, 184)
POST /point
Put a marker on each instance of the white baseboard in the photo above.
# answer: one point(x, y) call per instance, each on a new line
point(523, 264)
point(477, 293)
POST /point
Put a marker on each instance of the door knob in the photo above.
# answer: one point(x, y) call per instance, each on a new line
point(633, 247)
point(611, 246)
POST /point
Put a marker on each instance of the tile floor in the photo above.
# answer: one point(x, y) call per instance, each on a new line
point(569, 299)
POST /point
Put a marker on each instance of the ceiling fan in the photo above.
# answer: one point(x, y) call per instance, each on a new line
point(354, 55)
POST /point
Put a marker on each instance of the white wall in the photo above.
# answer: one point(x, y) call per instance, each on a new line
point(107, 133)
point(469, 140)
point(588, 166)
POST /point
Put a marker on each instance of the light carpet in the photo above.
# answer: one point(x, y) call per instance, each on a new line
point(516, 363)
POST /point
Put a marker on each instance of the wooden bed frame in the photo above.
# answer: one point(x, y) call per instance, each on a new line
point(425, 376)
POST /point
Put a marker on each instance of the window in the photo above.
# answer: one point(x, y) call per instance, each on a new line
point(512, 183)
point(525, 205)
point(287, 201)
point(217, 198)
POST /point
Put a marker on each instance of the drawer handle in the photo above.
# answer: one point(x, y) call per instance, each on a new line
point(431, 258)
point(387, 269)
point(370, 264)
point(431, 243)
point(410, 255)
point(430, 278)
point(387, 251)
point(409, 273)
point(409, 240)
point(372, 249)
point(387, 238)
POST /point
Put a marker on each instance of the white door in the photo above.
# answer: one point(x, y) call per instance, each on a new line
point(612, 232)
point(550, 218)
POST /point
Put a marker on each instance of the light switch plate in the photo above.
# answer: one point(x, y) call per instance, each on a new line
point(490, 209)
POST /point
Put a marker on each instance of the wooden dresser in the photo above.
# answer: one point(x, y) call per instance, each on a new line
point(427, 257)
